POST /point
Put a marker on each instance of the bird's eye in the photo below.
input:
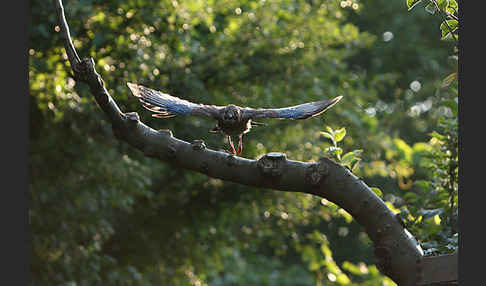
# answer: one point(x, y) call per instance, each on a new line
point(229, 116)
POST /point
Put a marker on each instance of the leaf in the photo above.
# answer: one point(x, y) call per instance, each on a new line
point(334, 150)
point(431, 8)
point(377, 192)
point(339, 134)
point(448, 79)
point(347, 158)
point(452, 7)
point(437, 219)
point(412, 3)
point(350, 157)
point(437, 135)
point(444, 27)
point(422, 185)
point(443, 4)
point(327, 135)
point(329, 129)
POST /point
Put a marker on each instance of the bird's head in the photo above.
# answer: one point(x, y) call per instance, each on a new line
point(231, 114)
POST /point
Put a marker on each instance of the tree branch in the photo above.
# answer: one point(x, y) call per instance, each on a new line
point(397, 252)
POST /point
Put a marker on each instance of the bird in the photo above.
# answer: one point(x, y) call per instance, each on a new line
point(232, 120)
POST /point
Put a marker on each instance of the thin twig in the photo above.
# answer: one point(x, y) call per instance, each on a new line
point(68, 43)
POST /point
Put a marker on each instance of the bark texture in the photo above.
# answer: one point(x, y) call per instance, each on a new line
point(397, 253)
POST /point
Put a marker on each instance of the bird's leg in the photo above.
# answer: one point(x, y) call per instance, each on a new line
point(240, 145)
point(231, 145)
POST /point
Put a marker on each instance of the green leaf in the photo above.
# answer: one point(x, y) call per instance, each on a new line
point(452, 7)
point(350, 157)
point(329, 129)
point(431, 8)
point(347, 158)
point(422, 184)
point(448, 79)
point(377, 192)
point(447, 28)
point(437, 135)
point(412, 3)
point(355, 166)
point(443, 4)
point(335, 151)
point(327, 135)
point(339, 135)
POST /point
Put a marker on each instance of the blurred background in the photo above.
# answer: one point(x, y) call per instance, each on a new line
point(100, 213)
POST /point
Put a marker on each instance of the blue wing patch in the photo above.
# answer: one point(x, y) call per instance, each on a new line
point(163, 105)
point(301, 111)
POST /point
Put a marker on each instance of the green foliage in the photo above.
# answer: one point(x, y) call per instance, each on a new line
point(434, 218)
point(412, 3)
point(449, 8)
point(100, 213)
point(350, 159)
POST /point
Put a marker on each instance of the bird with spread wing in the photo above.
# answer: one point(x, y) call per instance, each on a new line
point(232, 120)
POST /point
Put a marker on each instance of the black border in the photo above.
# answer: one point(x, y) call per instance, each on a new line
point(15, 110)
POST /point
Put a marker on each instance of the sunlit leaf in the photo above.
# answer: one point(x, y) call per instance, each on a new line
point(437, 219)
point(452, 7)
point(355, 166)
point(434, 134)
point(447, 27)
point(339, 134)
point(377, 191)
point(327, 135)
point(347, 158)
point(342, 279)
point(334, 150)
point(442, 4)
point(448, 79)
point(329, 129)
point(412, 3)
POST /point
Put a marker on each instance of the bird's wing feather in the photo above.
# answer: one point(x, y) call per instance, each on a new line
point(164, 105)
point(301, 111)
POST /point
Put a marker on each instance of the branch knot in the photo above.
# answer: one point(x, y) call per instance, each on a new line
point(316, 173)
point(198, 145)
point(272, 164)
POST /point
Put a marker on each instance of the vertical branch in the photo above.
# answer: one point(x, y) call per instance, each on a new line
point(73, 57)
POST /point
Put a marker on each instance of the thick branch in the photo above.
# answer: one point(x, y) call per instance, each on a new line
point(398, 253)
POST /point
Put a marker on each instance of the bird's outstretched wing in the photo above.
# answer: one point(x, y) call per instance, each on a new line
point(164, 105)
point(301, 111)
